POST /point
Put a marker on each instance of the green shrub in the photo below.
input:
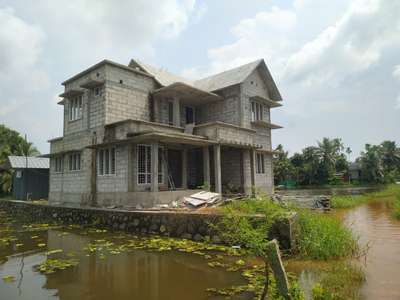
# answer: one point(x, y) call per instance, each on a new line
point(242, 225)
point(324, 237)
point(340, 280)
point(396, 206)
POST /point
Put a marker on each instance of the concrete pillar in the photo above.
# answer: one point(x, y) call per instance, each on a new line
point(253, 170)
point(184, 168)
point(154, 167)
point(177, 112)
point(217, 168)
point(156, 110)
point(206, 166)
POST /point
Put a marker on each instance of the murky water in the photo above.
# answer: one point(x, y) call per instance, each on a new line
point(379, 232)
point(136, 274)
point(377, 228)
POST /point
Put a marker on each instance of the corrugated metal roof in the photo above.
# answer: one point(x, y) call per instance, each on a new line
point(19, 162)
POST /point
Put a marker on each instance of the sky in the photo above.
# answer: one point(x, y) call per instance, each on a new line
point(336, 63)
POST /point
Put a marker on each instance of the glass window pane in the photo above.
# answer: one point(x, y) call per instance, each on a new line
point(112, 160)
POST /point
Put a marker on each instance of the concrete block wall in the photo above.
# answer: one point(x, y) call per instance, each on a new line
point(263, 137)
point(117, 182)
point(225, 111)
point(71, 187)
point(253, 86)
point(127, 95)
point(230, 167)
point(90, 102)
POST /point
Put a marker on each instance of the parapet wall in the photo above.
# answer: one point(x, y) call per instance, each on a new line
point(188, 225)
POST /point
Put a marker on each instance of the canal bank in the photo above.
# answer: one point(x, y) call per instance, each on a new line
point(182, 224)
point(373, 275)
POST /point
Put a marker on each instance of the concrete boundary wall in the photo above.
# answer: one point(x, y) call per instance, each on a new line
point(188, 225)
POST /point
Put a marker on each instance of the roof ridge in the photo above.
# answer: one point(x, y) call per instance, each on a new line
point(229, 70)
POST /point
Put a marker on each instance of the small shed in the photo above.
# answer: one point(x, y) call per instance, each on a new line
point(30, 177)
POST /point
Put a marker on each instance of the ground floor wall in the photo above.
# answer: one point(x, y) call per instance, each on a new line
point(76, 188)
point(120, 199)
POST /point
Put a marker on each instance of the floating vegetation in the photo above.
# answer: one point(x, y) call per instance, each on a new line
point(50, 266)
point(8, 278)
point(56, 251)
point(7, 240)
point(41, 245)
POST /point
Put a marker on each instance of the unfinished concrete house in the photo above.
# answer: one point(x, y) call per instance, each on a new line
point(135, 134)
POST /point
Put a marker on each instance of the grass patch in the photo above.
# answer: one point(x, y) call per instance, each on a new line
point(348, 201)
point(396, 206)
point(323, 237)
point(320, 236)
point(338, 201)
point(239, 226)
point(339, 281)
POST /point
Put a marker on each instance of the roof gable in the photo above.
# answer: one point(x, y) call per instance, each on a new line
point(227, 78)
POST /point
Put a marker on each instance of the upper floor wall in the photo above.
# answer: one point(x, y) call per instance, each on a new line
point(105, 94)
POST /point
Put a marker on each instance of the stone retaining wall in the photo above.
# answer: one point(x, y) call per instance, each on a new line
point(188, 225)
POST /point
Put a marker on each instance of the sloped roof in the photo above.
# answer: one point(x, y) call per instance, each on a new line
point(227, 78)
point(19, 162)
point(162, 76)
point(215, 82)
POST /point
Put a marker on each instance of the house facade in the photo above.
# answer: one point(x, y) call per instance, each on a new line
point(135, 134)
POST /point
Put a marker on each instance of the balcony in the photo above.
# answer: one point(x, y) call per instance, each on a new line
point(227, 134)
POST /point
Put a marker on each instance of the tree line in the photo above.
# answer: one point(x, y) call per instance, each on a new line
point(328, 163)
point(12, 143)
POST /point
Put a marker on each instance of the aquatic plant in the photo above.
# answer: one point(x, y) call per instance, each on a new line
point(8, 278)
point(50, 266)
point(324, 237)
point(339, 280)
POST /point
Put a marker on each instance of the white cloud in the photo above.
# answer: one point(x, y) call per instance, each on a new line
point(331, 63)
point(353, 44)
point(265, 35)
point(63, 37)
point(396, 72)
point(20, 75)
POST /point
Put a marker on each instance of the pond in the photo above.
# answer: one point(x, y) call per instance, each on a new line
point(108, 266)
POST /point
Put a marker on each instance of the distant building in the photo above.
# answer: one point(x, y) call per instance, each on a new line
point(354, 171)
point(139, 135)
point(30, 177)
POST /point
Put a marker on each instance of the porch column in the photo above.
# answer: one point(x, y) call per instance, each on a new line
point(217, 168)
point(177, 112)
point(253, 170)
point(154, 167)
point(184, 168)
point(206, 166)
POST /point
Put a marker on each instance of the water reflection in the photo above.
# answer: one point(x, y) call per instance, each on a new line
point(131, 275)
point(375, 226)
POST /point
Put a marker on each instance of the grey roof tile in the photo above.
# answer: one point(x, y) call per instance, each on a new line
point(227, 78)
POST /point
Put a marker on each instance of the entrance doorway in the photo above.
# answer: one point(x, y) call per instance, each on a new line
point(175, 166)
